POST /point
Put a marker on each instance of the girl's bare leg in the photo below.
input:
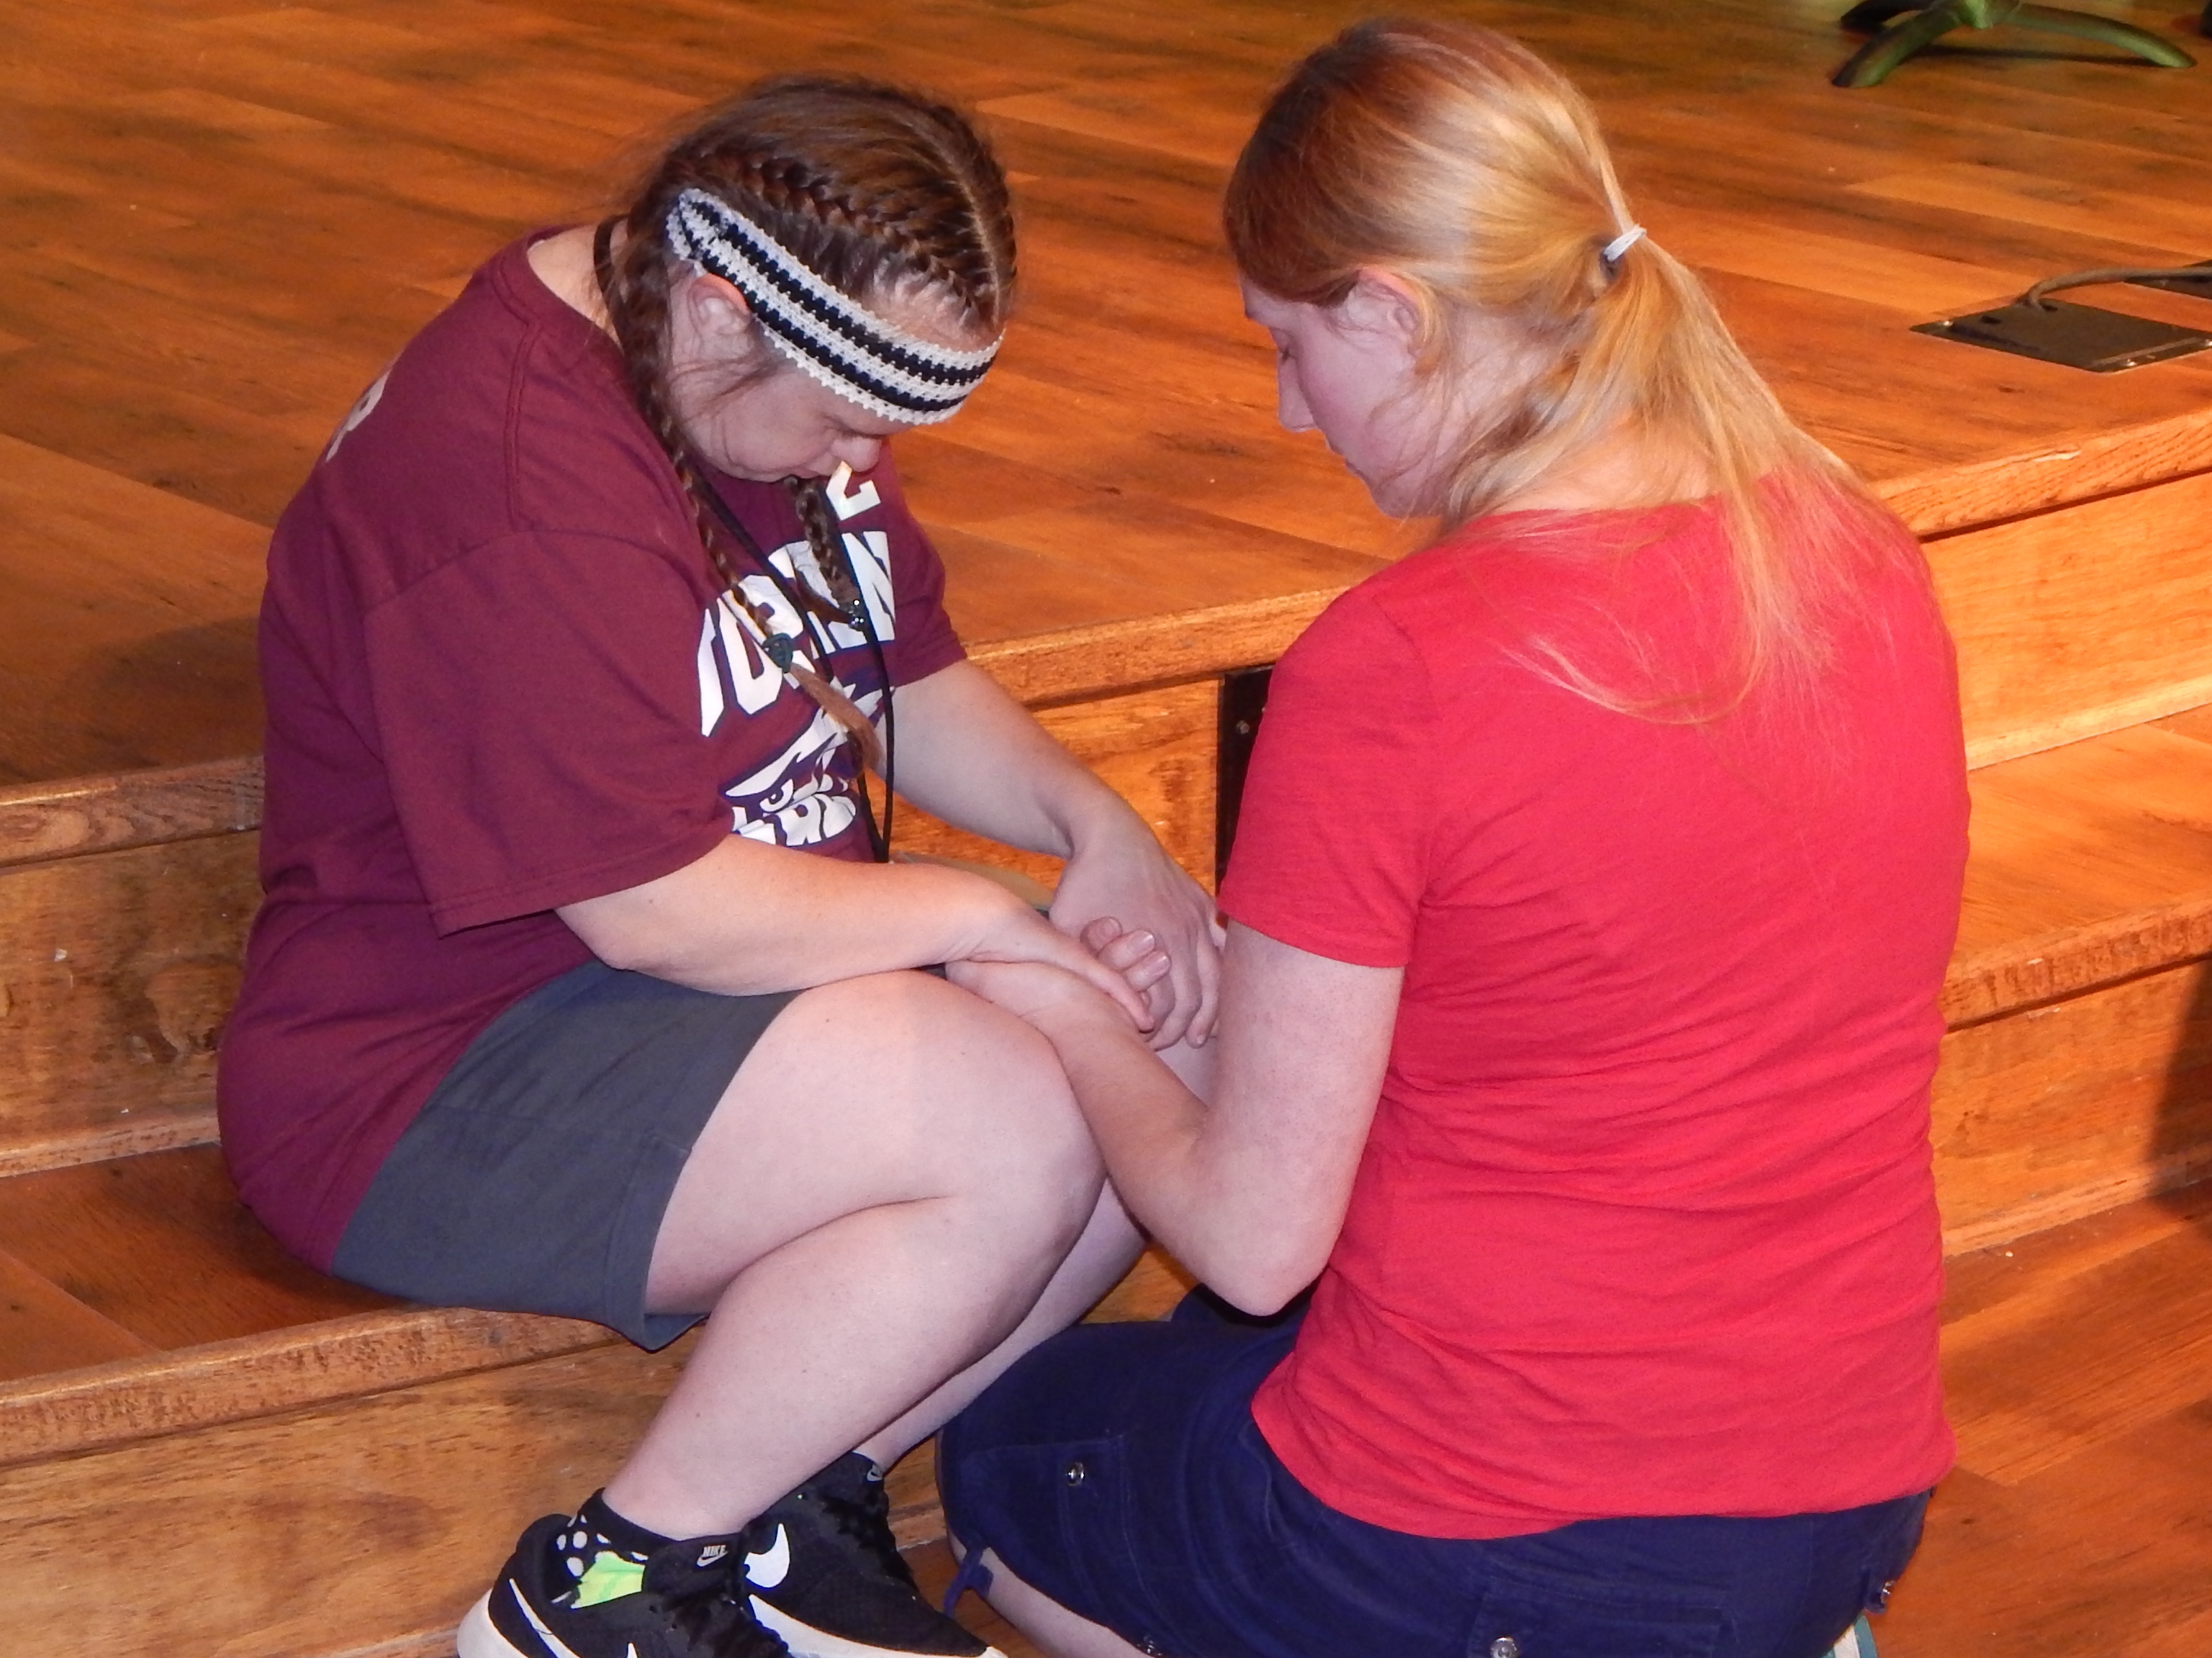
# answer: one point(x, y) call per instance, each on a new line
point(892, 1178)
point(1107, 1249)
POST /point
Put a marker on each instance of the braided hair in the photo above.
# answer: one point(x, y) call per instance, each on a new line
point(875, 190)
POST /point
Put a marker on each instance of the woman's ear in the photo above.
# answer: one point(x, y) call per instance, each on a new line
point(1382, 301)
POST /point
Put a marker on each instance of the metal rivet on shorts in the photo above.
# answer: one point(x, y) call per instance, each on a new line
point(1505, 1647)
point(1077, 1473)
point(1882, 1595)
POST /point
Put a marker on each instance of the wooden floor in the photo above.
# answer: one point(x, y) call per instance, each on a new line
point(221, 218)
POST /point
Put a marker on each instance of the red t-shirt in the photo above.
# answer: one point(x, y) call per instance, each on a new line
point(499, 681)
point(1645, 1225)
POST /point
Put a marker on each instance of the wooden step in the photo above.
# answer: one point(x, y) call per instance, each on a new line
point(161, 1357)
point(125, 905)
point(158, 1354)
point(142, 1298)
point(2078, 1071)
point(2077, 1366)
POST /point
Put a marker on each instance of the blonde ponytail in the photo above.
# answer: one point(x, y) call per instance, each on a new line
point(1460, 162)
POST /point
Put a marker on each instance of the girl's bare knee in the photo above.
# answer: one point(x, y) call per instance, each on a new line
point(980, 1091)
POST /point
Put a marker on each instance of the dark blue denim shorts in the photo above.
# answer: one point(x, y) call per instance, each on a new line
point(1117, 1469)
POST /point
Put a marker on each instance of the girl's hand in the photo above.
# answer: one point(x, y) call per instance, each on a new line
point(1032, 991)
point(1016, 935)
point(1123, 877)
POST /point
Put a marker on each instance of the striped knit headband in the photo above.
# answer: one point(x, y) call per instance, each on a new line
point(837, 341)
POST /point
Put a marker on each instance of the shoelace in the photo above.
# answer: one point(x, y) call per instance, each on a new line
point(709, 1603)
point(867, 1521)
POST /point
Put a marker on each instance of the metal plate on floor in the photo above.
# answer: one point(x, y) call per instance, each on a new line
point(2073, 335)
point(2197, 280)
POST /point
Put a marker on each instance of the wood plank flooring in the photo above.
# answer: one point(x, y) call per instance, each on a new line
point(222, 217)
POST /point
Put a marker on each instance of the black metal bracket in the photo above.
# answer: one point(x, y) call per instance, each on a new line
point(2072, 335)
point(1244, 699)
point(2197, 280)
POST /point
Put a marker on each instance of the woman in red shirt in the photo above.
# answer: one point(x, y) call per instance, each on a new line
point(1596, 874)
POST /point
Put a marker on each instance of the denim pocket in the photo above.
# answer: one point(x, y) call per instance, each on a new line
point(1527, 1612)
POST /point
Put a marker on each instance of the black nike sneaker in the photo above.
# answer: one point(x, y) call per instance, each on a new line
point(827, 1578)
point(684, 1599)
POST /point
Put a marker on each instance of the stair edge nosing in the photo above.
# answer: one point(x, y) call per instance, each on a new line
point(2055, 966)
point(64, 1413)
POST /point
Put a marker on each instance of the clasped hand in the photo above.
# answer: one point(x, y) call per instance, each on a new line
point(1134, 908)
point(1125, 968)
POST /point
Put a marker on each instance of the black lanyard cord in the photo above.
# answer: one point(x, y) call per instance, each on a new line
point(879, 834)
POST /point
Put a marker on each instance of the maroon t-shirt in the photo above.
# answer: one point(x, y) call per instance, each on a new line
point(499, 680)
point(1646, 1223)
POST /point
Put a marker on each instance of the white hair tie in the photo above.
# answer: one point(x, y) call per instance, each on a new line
point(1621, 244)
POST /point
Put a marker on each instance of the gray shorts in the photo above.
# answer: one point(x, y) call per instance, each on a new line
point(535, 1177)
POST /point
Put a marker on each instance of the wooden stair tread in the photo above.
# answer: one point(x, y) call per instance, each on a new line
point(160, 1245)
point(138, 1295)
point(2090, 863)
point(43, 1327)
point(2078, 1370)
point(2130, 1291)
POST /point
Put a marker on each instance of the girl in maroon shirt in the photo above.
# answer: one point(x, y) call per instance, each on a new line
point(583, 984)
point(1595, 882)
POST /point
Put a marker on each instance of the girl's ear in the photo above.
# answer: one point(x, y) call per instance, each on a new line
point(718, 310)
point(1382, 301)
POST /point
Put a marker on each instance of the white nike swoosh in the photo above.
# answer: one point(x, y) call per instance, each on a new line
point(806, 1642)
point(768, 1569)
point(560, 1648)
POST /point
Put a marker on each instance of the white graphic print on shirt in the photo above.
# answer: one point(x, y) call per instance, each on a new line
point(805, 795)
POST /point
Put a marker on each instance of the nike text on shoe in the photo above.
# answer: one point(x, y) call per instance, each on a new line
point(685, 1600)
point(826, 1575)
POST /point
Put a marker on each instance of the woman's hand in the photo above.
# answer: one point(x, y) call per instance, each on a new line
point(1121, 876)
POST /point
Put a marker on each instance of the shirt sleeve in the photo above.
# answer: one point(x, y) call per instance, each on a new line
point(1334, 828)
point(536, 703)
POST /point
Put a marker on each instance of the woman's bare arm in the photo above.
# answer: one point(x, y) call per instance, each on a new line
point(970, 754)
point(1249, 1189)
